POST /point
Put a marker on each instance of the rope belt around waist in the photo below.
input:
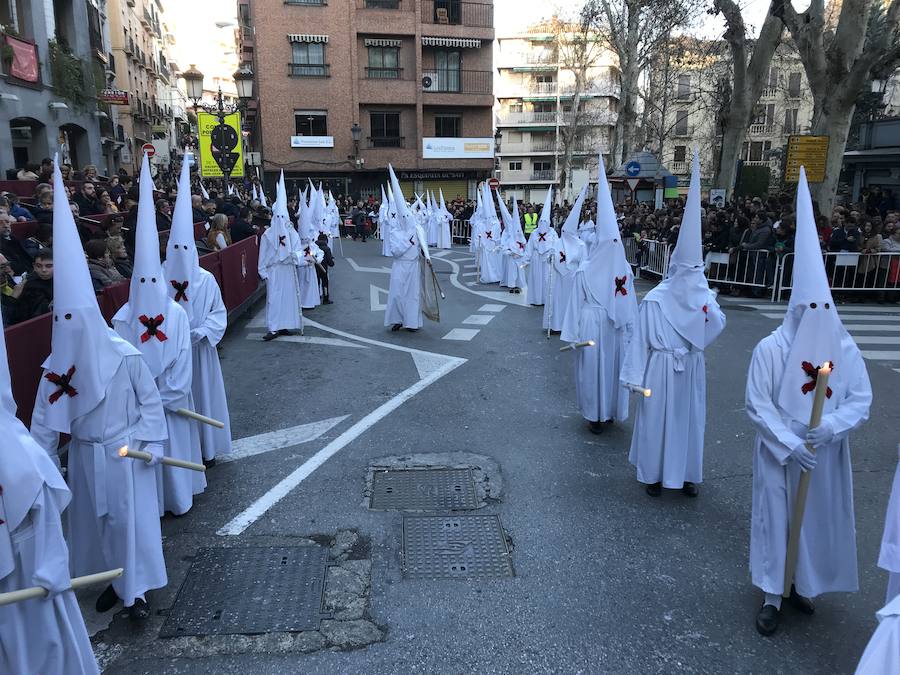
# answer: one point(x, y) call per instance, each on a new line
point(679, 353)
point(100, 457)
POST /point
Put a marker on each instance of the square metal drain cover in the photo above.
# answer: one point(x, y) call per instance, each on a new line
point(250, 590)
point(455, 547)
point(423, 490)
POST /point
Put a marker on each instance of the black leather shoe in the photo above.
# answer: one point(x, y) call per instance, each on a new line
point(767, 620)
point(654, 489)
point(801, 604)
point(139, 611)
point(596, 427)
point(396, 327)
point(107, 600)
point(690, 489)
point(284, 331)
point(270, 336)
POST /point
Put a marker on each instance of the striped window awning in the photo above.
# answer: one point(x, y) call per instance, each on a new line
point(463, 43)
point(303, 37)
point(381, 42)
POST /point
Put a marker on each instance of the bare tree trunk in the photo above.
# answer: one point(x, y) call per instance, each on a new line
point(835, 125)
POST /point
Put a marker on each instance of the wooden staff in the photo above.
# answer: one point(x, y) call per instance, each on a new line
point(550, 295)
point(41, 592)
point(638, 389)
point(168, 461)
point(184, 412)
point(577, 345)
point(793, 546)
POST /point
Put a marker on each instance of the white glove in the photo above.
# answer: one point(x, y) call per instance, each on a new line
point(821, 435)
point(156, 451)
point(803, 457)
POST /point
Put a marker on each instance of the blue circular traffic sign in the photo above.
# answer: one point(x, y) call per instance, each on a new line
point(632, 169)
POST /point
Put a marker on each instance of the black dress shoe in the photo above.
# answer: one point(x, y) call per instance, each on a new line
point(801, 604)
point(284, 331)
point(396, 327)
point(654, 489)
point(107, 600)
point(271, 335)
point(596, 427)
point(690, 489)
point(139, 611)
point(767, 620)
point(209, 463)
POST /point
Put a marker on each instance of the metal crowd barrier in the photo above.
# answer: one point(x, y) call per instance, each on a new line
point(655, 257)
point(632, 250)
point(460, 231)
point(751, 269)
point(856, 272)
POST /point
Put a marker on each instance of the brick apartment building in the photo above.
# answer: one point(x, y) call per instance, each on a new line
point(412, 80)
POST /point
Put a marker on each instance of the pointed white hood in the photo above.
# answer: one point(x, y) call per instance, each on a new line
point(148, 305)
point(202, 189)
point(182, 261)
point(490, 222)
point(281, 236)
point(607, 274)
point(570, 250)
point(24, 468)
point(513, 238)
point(684, 294)
point(85, 352)
point(546, 209)
point(406, 220)
point(254, 195)
point(812, 328)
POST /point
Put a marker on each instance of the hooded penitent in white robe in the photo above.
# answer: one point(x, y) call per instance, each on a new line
point(476, 222)
point(539, 252)
point(161, 331)
point(889, 557)
point(587, 233)
point(384, 226)
point(98, 389)
point(780, 389)
point(568, 252)
point(279, 257)
point(882, 654)
point(45, 635)
point(197, 293)
point(513, 243)
point(445, 237)
point(602, 308)
point(312, 220)
point(676, 321)
point(432, 225)
point(490, 247)
point(404, 303)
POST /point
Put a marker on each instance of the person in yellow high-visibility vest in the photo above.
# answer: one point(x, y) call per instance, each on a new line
point(531, 219)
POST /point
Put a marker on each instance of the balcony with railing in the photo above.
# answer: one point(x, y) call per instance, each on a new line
point(309, 70)
point(515, 118)
point(547, 88)
point(769, 92)
point(762, 129)
point(386, 141)
point(679, 167)
point(458, 13)
point(452, 81)
point(543, 175)
point(402, 5)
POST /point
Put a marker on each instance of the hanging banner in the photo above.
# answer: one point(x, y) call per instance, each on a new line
point(220, 145)
point(24, 64)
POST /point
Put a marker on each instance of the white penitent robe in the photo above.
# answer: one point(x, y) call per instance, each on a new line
point(309, 284)
point(208, 324)
point(282, 288)
point(537, 276)
point(175, 487)
point(882, 655)
point(600, 394)
point(445, 237)
point(113, 520)
point(404, 303)
point(827, 558)
point(43, 635)
point(667, 443)
point(559, 294)
point(514, 275)
point(889, 557)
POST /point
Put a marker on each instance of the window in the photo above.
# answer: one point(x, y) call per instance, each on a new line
point(384, 63)
point(757, 151)
point(681, 123)
point(772, 78)
point(515, 166)
point(544, 107)
point(311, 122)
point(790, 120)
point(315, 3)
point(308, 59)
point(513, 136)
point(447, 70)
point(515, 107)
point(448, 11)
point(794, 85)
point(541, 167)
point(684, 87)
point(447, 126)
point(680, 153)
point(385, 129)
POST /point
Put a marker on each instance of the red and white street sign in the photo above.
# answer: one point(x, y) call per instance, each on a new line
point(494, 183)
point(633, 183)
point(149, 149)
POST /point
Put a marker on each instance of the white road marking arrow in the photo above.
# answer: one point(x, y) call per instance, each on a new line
point(360, 268)
point(375, 298)
point(277, 440)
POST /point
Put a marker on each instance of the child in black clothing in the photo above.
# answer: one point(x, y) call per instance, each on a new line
point(322, 270)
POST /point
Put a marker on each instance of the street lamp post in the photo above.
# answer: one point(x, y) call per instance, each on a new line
point(224, 138)
point(498, 136)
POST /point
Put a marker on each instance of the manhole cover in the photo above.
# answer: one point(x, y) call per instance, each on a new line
point(455, 547)
point(423, 490)
point(248, 591)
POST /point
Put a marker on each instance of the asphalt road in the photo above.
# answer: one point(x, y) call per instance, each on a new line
point(606, 578)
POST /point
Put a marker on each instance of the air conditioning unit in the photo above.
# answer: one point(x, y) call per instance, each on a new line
point(429, 80)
